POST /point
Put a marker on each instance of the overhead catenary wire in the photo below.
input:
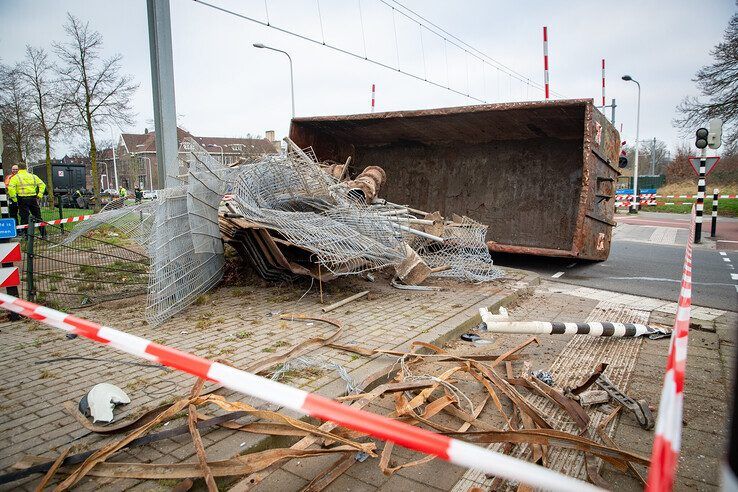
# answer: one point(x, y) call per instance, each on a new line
point(477, 53)
point(335, 48)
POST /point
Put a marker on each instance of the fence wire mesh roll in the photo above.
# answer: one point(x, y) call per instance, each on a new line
point(90, 268)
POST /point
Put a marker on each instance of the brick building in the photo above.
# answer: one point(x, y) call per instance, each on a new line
point(136, 154)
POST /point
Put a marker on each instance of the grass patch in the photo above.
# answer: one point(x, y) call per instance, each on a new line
point(727, 207)
point(244, 334)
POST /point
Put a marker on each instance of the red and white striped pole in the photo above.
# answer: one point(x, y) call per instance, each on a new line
point(545, 60)
point(603, 86)
point(406, 435)
point(373, 96)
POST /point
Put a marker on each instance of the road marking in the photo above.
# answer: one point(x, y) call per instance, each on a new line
point(572, 265)
point(734, 276)
point(557, 274)
point(723, 253)
point(726, 259)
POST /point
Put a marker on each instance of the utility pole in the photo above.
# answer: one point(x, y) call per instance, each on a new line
point(653, 157)
point(162, 81)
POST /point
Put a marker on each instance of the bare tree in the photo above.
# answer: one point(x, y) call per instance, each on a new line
point(719, 84)
point(49, 104)
point(95, 86)
point(19, 129)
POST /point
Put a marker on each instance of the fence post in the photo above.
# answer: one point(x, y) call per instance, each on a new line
point(61, 211)
point(715, 194)
point(29, 260)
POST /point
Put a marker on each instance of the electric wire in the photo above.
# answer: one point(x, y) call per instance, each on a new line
point(499, 65)
point(335, 48)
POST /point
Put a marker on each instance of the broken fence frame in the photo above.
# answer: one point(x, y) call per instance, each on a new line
point(406, 435)
point(499, 323)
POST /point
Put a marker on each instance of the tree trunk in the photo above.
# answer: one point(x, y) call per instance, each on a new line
point(49, 177)
point(93, 159)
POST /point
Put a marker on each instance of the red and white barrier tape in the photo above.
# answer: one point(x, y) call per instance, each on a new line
point(651, 195)
point(411, 437)
point(77, 218)
point(667, 441)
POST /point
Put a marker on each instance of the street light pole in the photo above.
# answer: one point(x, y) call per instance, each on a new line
point(292, 80)
point(634, 203)
point(222, 158)
point(115, 164)
point(151, 181)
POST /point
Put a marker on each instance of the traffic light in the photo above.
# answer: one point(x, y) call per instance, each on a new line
point(701, 141)
point(714, 137)
point(622, 162)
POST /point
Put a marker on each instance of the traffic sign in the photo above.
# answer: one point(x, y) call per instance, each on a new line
point(709, 164)
point(7, 228)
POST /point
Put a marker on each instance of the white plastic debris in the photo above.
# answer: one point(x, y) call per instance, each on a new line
point(102, 398)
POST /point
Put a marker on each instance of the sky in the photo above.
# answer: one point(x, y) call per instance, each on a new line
point(226, 87)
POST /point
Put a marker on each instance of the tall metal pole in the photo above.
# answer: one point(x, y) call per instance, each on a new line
point(162, 81)
point(292, 80)
point(545, 60)
point(700, 196)
point(115, 164)
point(653, 157)
point(634, 203)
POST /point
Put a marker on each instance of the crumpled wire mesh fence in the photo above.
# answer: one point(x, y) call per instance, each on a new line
point(179, 231)
point(294, 197)
point(90, 268)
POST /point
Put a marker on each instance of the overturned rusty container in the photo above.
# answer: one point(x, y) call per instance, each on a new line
point(540, 174)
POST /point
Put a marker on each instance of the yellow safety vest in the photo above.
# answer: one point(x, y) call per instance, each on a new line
point(25, 184)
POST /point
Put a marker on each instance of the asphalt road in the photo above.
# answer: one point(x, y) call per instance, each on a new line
point(645, 269)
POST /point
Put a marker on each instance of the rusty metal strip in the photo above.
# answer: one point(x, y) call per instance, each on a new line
point(330, 474)
point(513, 395)
point(72, 409)
point(197, 440)
point(574, 409)
point(240, 465)
point(272, 429)
point(252, 480)
point(436, 357)
point(42, 465)
point(551, 437)
point(391, 388)
point(52, 471)
point(610, 442)
point(103, 453)
point(513, 350)
point(278, 417)
point(590, 380)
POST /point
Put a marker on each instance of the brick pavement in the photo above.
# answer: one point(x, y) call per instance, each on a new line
point(237, 323)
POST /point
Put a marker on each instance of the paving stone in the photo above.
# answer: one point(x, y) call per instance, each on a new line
point(282, 481)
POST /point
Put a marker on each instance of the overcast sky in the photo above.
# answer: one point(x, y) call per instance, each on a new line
point(225, 87)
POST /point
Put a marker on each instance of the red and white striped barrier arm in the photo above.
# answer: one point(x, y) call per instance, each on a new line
point(668, 438)
point(77, 218)
point(411, 437)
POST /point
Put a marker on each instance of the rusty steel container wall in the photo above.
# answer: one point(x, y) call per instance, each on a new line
point(540, 174)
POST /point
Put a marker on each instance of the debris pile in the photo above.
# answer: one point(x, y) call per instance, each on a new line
point(289, 215)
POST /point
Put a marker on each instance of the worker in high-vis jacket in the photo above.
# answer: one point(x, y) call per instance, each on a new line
point(25, 189)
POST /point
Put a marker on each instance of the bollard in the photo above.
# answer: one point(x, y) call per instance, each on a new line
point(715, 194)
point(699, 206)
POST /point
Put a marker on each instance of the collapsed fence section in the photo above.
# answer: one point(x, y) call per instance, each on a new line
point(98, 266)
